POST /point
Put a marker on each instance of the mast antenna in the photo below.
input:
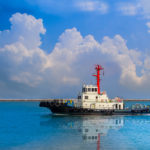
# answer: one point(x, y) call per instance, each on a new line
point(98, 69)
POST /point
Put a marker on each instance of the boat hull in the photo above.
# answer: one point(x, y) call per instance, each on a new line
point(64, 109)
point(60, 108)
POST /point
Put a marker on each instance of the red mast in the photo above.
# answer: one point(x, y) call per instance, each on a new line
point(98, 68)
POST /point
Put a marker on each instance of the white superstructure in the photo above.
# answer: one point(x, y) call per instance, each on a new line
point(92, 100)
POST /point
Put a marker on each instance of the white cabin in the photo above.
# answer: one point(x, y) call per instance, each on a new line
point(92, 100)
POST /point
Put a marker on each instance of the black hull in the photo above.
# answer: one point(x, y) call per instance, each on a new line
point(60, 108)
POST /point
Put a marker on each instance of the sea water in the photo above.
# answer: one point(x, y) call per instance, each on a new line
point(26, 126)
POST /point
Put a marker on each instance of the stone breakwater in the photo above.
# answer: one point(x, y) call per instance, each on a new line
point(39, 100)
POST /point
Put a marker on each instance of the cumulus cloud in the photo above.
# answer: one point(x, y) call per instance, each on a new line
point(25, 29)
point(20, 46)
point(28, 64)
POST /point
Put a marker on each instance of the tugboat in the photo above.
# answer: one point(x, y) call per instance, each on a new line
point(93, 101)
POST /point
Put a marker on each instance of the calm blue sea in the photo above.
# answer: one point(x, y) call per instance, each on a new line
point(26, 126)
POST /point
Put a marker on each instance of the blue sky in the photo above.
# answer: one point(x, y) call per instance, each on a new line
point(48, 48)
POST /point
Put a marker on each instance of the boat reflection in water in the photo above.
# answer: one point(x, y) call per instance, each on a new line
point(91, 129)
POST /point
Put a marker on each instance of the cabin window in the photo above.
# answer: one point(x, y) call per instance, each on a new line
point(116, 106)
point(86, 130)
point(84, 137)
point(83, 90)
point(119, 121)
point(89, 89)
point(79, 97)
point(116, 121)
point(119, 106)
point(86, 97)
point(95, 89)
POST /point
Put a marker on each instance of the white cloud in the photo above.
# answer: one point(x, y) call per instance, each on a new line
point(147, 63)
point(145, 8)
point(71, 6)
point(20, 47)
point(27, 78)
point(128, 9)
point(73, 48)
point(148, 25)
point(91, 5)
point(139, 7)
point(25, 29)
point(127, 59)
point(30, 65)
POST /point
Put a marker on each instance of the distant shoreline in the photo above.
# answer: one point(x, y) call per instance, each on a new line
point(136, 99)
point(39, 100)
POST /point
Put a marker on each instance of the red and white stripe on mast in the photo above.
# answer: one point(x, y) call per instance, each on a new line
point(98, 68)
